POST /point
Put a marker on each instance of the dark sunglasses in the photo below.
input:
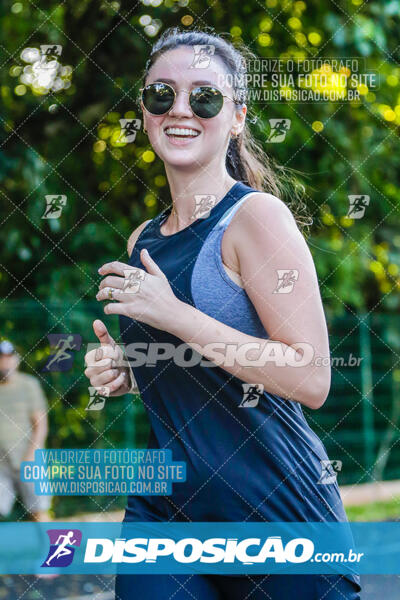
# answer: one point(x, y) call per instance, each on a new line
point(205, 101)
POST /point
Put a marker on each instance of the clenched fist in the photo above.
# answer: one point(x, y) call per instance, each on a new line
point(104, 364)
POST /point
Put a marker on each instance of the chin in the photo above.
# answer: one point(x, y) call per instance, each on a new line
point(184, 161)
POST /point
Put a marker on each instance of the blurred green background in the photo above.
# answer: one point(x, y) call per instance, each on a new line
point(59, 135)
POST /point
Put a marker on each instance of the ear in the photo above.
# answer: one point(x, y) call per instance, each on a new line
point(239, 118)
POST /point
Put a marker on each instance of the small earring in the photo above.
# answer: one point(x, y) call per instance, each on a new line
point(144, 130)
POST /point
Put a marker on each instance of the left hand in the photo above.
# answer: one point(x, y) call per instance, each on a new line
point(150, 301)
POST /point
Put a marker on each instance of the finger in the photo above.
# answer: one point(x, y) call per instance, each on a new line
point(116, 384)
point(115, 267)
point(101, 357)
point(90, 357)
point(114, 353)
point(150, 265)
point(92, 360)
point(111, 281)
point(103, 363)
point(95, 356)
point(118, 308)
point(98, 367)
point(106, 294)
point(106, 377)
point(102, 333)
point(118, 295)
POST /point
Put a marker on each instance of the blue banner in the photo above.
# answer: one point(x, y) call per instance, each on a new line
point(194, 548)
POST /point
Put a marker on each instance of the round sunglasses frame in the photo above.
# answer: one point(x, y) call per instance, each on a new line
point(213, 87)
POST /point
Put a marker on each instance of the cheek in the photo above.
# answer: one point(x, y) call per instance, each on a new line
point(218, 133)
point(154, 124)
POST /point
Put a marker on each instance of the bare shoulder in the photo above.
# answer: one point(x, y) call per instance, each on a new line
point(134, 236)
point(262, 218)
point(265, 210)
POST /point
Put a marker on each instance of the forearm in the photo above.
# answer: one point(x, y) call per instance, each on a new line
point(252, 359)
point(38, 436)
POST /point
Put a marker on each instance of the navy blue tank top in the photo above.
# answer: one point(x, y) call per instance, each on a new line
point(245, 460)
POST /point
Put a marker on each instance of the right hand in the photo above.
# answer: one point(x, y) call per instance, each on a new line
point(102, 364)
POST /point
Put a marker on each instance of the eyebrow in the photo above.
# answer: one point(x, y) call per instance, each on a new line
point(199, 82)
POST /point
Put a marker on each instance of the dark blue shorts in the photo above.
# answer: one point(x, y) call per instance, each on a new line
point(221, 587)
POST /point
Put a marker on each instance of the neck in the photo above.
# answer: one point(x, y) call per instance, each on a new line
point(184, 186)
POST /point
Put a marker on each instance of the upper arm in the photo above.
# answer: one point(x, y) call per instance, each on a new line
point(134, 236)
point(267, 240)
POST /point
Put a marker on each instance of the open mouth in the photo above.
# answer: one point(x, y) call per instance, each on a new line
point(181, 132)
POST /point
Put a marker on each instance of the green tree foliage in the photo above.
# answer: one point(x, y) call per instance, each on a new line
point(64, 142)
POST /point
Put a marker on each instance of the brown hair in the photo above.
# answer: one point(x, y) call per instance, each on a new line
point(246, 160)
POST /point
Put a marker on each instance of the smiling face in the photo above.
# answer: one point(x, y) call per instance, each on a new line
point(179, 137)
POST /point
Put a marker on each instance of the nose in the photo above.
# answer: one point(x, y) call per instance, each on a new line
point(181, 107)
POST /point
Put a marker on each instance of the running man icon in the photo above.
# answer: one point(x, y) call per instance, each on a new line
point(65, 346)
point(61, 550)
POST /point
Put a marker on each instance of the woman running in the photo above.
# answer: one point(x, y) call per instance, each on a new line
point(225, 273)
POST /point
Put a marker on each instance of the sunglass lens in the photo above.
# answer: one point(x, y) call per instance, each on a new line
point(158, 98)
point(206, 102)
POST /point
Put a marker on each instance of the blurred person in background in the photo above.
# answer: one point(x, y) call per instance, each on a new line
point(23, 429)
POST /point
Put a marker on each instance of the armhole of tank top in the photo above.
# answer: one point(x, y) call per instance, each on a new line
point(220, 229)
point(140, 235)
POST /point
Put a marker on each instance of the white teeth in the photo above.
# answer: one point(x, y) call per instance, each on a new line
point(181, 131)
